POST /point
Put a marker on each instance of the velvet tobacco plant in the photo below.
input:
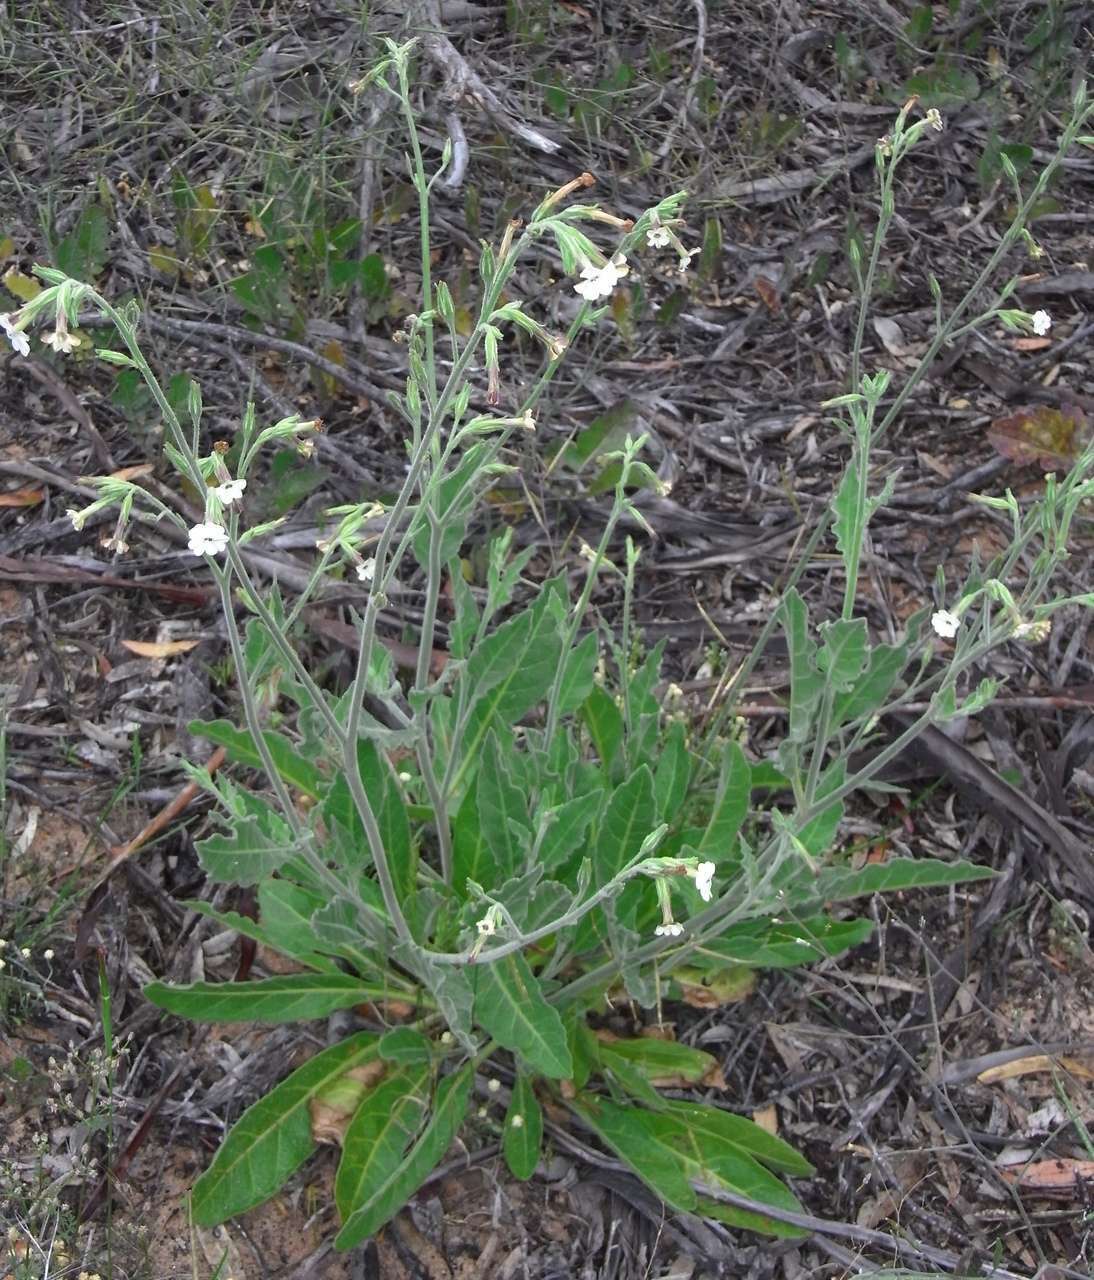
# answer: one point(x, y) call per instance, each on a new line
point(486, 859)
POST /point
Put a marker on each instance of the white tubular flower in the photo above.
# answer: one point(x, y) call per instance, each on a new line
point(658, 238)
point(934, 119)
point(1042, 322)
point(946, 624)
point(17, 339)
point(486, 926)
point(704, 880)
point(671, 930)
point(598, 282)
point(77, 518)
point(230, 491)
point(494, 1085)
point(208, 539)
point(62, 342)
point(517, 1122)
point(365, 570)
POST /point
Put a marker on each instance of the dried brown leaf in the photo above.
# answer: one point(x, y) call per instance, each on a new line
point(1051, 438)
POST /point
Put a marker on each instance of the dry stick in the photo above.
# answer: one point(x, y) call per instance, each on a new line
point(165, 816)
point(693, 80)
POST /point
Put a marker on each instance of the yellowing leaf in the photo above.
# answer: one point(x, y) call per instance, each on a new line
point(133, 473)
point(1051, 438)
point(7, 246)
point(159, 648)
point(163, 260)
point(713, 990)
point(25, 288)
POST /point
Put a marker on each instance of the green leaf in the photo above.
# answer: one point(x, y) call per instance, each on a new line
point(725, 1126)
point(605, 724)
point(629, 818)
point(838, 884)
point(383, 1126)
point(626, 1130)
point(672, 775)
point(660, 1059)
point(82, 254)
point(503, 813)
point(762, 945)
point(873, 687)
point(511, 1008)
point(246, 853)
point(730, 804)
point(248, 928)
point(285, 911)
point(294, 998)
point(523, 1136)
point(389, 809)
point(579, 673)
point(273, 1138)
point(241, 749)
point(805, 681)
point(406, 1046)
point(387, 1197)
point(566, 833)
point(470, 851)
point(843, 654)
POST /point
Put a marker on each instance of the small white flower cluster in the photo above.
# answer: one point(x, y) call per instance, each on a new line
point(599, 282)
point(16, 337)
point(673, 929)
point(945, 624)
point(1042, 322)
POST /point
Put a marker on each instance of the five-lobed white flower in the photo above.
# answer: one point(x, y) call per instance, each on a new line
point(18, 340)
point(704, 880)
point(598, 282)
point(946, 624)
point(230, 491)
point(365, 570)
point(208, 539)
point(63, 342)
point(1042, 322)
point(658, 238)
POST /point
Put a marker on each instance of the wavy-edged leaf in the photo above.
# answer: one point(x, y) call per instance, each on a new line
point(806, 682)
point(837, 884)
point(760, 944)
point(568, 823)
point(386, 1121)
point(248, 928)
point(730, 804)
point(388, 1197)
point(523, 1135)
point(389, 810)
point(297, 997)
point(273, 1138)
point(657, 1059)
point(246, 852)
point(579, 673)
point(605, 723)
point(843, 654)
point(241, 749)
point(511, 1008)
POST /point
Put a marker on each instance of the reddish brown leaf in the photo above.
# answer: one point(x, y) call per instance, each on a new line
point(1051, 438)
point(769, 295)
point(22, 498)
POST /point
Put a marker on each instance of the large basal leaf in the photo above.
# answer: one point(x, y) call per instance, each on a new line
point(386, 1198)
point(470, 850)
point(523, 1135)
point(510, 1007)
point(273, 1138)
point(763, 945)
point(297, 997)
point(627, 1132)
point(241, 749)
point(660, 1061)
point(738, 1131)
point(386, 1121)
